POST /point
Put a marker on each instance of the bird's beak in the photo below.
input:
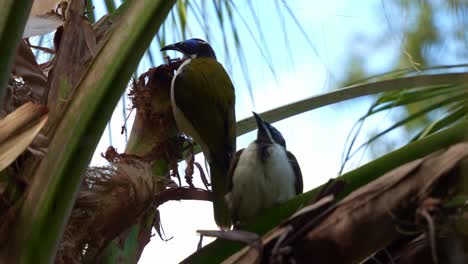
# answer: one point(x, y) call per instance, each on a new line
point(262, 130)
point(172, 47)
point(258, 118)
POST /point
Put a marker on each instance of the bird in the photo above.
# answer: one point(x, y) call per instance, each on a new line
point(203, 104)
point(262, 175)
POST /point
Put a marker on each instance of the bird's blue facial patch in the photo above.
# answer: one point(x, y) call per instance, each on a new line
point(190, 46)
point(195, 48)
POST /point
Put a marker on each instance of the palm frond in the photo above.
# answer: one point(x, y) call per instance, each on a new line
point(451, 117)
point(420, 81)
point(449, 97)
point(51, 194)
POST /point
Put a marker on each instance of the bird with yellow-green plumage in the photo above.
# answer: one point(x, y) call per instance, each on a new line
point(203, 101)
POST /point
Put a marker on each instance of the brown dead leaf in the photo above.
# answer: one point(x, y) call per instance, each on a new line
point(43, 17)
point(43, 24)
point(252, 255)
point(110, 200)
point(27, 82)
point(26, 68)
point(375, 210)
point(369, 218)
point(90, 38)
point(18, 130)
point(69, 62)
point(40, 7)
point(19, 119)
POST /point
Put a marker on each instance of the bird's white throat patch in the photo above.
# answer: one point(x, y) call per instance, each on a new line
point(179, 70)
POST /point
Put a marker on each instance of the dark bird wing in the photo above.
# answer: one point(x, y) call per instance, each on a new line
point(298, 184)
point(232, 167)
point(230, 174)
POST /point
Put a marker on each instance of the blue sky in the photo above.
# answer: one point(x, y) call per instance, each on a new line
point(336, 28)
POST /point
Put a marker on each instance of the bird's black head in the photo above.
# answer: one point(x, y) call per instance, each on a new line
point(268, 133)
point(193, 48)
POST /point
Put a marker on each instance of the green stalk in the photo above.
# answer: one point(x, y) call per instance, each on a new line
point(13, 16)
point(90, 11)
point(118, 252)
point(347, 93)
point(110, 5)
point(129, 250)
point(145, 136)
point(219, 250)
point(51, 195)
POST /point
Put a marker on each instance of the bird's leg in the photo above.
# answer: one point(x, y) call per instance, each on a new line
point(190, 160)
point(186, 150)
point(174, 152)
point(203, 176)
point(190, 149)
point(158, 227)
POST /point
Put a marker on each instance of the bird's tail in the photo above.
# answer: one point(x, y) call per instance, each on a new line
point(219, 186)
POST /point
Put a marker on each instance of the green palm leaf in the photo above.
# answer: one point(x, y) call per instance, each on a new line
point(47, 205)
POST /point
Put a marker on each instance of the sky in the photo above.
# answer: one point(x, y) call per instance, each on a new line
point(303, 68)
